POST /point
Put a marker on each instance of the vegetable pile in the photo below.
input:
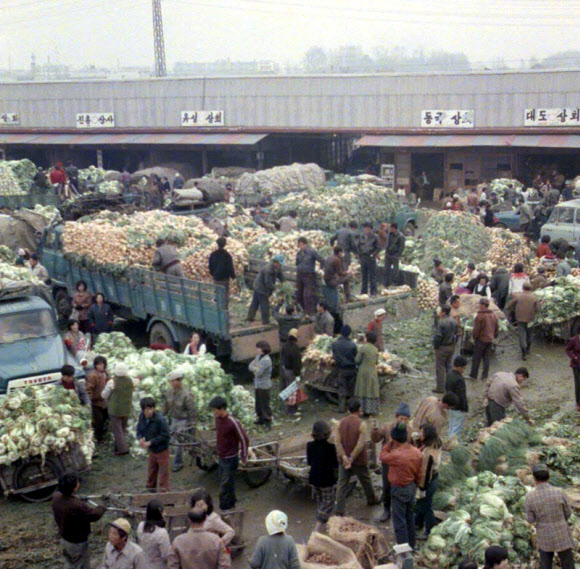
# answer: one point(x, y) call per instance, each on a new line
point(9, 273)
point(328, 208)
point(559, 303)
point(115, 242)
point(269, 244)
point(500, 185)
point(203, 376)
point(427, 294)
point(38, 420)
point(9, 184)
point(507, 249)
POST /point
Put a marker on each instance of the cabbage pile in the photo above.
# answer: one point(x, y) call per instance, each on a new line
point(559, 303)
point(500, 185)
point(328, 208)
point(203, 376)
point(265, 246)
point(489, 511)
point(38, 420)
point(10, 274)
point(9, 184)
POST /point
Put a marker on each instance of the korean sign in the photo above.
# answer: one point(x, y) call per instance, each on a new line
point(552, 117)
point(202, 118)
point(448, 119)
point(9, 118)
point(95, 120)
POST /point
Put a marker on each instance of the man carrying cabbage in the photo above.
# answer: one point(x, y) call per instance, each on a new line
point(179, 410)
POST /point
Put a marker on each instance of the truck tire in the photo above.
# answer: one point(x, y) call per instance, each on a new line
point(160, 334)
point(34, 471)
point(63, 304)
point(409, 230)
point(258, 477)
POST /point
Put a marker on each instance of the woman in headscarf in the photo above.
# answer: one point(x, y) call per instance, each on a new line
point(275, 550)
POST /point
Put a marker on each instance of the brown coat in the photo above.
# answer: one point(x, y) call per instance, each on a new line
point(96, 382)
point(350, 440)
point(526, 305)
point(198, 549)
point(539, 281)
point(84, 300)
point(486, 326)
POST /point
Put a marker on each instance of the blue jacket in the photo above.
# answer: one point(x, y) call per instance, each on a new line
point(155, 431)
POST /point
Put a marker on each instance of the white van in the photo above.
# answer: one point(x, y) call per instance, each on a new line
point(564, 223)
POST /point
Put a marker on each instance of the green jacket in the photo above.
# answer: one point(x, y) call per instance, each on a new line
point(121, 398)
point(367, 380)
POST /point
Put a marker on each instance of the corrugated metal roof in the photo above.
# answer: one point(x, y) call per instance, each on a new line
point(103, 139)
point(462, 140)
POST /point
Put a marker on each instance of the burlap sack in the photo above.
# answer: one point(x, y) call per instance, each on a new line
point(367, 542)
point(342, 557)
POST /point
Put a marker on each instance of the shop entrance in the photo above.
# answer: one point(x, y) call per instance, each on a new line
point(427, 173)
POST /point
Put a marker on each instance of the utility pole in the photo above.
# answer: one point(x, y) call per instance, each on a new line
point(160, 68)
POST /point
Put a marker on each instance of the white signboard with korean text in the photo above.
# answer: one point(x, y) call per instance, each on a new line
point(9, 118)
point(95, 120)
point(552, 117)
point(202, 118)
point(448, 119)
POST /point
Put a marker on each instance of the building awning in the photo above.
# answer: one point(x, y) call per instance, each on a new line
point(466, 140)
point(218, 139)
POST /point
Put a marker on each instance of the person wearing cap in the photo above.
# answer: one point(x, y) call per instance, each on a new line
point(455, 384)
point(232, 446)
point(501, 391)
point(22, 257)
point(549, 509)
point(120, 551)
point(350, 438)
point(383, 435)
point(290, 367)
point(376, 327)
point(154, 436)
point(322, 459)
point(198, 548)
point(444, 341)
point(368, 249)
point(263, 287)
point(179, 410)
point(393, 250)
point(73, 518)
point(404, 462)
point(539, 281)
point(485, 331)
point(344, 352)
point(276, 550)
point(221, 267)
point(261, 367)
point(323, 321)
point(119, 394)
point(306, 259)
point(36, 269)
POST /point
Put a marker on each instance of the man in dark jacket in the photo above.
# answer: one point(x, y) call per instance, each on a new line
point(263, 287)
point(347, 239)
point(344, 353)
point(499, 286)
point(221, 267)
point(73, 518)
point(287, 320)
point(306, 275)
point(153, 435)
point(368, 250)
point(456, 384)
point(446, 289)
point(485, 330)
point(444, 345)
point(393, 251)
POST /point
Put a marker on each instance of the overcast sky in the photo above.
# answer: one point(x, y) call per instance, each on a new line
point(107, 32)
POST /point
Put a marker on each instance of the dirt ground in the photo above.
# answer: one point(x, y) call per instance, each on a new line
point(28, 534)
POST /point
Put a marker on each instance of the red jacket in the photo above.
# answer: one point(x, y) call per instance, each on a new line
point(231, 438)
point(573, 352)
point(542, 250)
point(57, 177)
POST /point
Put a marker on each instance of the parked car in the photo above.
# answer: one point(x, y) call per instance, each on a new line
point(564, 222)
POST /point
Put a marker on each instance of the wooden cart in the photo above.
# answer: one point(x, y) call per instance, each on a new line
point(35, 479)
point(176, 505)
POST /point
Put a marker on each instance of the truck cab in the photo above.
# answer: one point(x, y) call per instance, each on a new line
point(31, 349)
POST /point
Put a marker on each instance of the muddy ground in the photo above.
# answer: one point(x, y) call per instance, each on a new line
point(27, 531)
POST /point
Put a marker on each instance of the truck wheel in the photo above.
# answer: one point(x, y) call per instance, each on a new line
point(63, 304)
point(33, 472)
point(160, 334)
point(258, 477)
point(409, 230)
point(202, 464)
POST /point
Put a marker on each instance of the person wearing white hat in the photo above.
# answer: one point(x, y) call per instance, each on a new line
point(179, 410)
point(275, 550)
point(120, 551)
point(119, 394)
point(376, 326)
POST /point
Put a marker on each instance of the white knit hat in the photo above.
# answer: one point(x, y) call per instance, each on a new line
point(121, 370)
point(276, 522)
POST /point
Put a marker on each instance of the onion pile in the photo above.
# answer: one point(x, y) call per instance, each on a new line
point(427, 294)
point(508, 248)
point(269, 244)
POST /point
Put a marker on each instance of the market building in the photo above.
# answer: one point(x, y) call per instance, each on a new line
point(437, 130)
